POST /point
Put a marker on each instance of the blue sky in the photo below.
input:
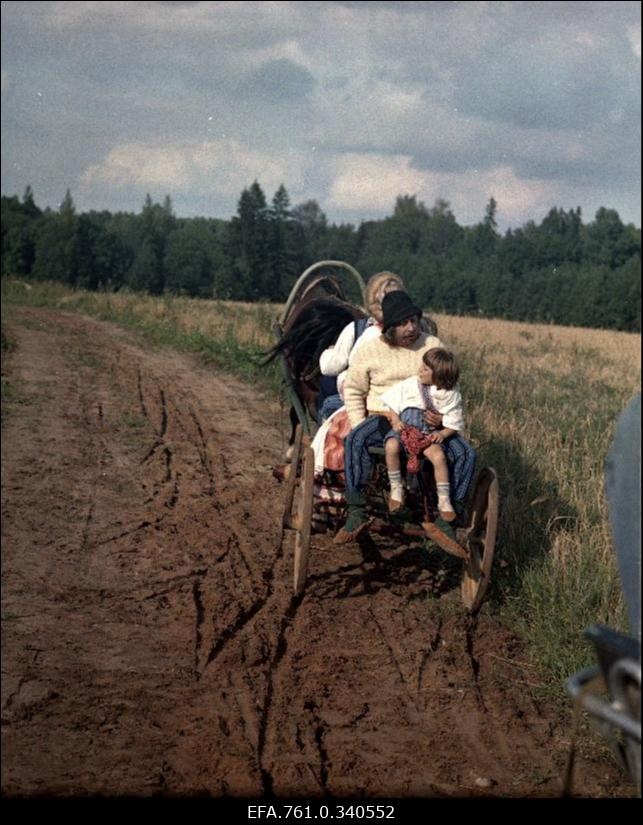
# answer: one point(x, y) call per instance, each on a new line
point(350, 103)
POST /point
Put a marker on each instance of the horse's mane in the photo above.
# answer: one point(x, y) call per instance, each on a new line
point(310, 329)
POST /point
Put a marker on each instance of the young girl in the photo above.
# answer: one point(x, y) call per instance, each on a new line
point(433, 389)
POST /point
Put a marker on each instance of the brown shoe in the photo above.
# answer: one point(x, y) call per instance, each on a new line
point(448, 515)
point(343, 536)
point(394, 505)
point(282, 471)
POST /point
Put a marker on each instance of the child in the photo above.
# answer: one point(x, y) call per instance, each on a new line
point(433, 389)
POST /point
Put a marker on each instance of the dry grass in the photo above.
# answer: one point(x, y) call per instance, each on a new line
point(542, 402)
point(613, 358)
point(249, 323)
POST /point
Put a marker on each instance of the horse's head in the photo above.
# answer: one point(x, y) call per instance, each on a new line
point(319, 288)
point(312, 324)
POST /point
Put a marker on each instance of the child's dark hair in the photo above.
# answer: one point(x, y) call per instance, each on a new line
point(444, 366)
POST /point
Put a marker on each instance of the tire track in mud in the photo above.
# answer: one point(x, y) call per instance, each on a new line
point(199, 619)
point(395, 660)
point(319, 728)
point(185, 419)
point(141, 399)
point(243, 618)
point(426, 655)
point(203, 452)
point(471, 624)
point(241, 568)
point(144, 525)
point(280, 649)
point(180, 420)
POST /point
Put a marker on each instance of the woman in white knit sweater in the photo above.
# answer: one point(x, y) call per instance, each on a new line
point(378, 366)
point(334, 361)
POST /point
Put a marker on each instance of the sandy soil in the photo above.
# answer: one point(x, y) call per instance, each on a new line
point(151, 643)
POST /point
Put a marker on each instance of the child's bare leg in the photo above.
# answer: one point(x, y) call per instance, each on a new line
point(392, 454)
point(436, 456)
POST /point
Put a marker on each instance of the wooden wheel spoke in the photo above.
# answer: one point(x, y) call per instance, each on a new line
point(481, 540)
point(291, 481)
point(304, 520)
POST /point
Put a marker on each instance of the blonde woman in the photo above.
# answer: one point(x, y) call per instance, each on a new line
point(334, 361)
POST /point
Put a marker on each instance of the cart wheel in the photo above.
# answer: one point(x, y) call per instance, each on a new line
point(303, 520)
point(291, 481)
point(481, 540)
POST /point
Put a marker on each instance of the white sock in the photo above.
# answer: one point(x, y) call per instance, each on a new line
point(395, 481)
point(444, 497)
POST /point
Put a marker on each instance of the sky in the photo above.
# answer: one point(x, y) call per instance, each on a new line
point(536, 104)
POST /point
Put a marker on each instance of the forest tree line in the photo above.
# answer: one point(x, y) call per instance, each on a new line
point(559, 271)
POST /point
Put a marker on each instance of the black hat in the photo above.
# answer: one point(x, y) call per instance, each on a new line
point(397, 307)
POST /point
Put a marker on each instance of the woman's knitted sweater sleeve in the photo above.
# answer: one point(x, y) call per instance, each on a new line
point(357, 385)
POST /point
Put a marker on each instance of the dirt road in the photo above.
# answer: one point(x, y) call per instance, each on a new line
point(151, 643)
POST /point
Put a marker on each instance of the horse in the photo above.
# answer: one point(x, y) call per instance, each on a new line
point(314, 317)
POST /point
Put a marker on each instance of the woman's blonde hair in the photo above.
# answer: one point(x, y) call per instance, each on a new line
point(377, 287)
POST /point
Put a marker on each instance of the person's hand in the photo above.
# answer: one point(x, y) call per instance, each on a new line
point(397, 425)
point(433, 419)
point(436, 438)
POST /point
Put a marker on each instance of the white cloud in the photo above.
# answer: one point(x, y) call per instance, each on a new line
point(221, 166)
point(231, 166)
point(135, 164)
point(371, 183)
point(518, 199)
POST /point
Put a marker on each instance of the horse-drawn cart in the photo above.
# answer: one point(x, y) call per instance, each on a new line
point(475, 535)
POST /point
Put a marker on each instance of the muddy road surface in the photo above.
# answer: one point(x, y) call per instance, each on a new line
point(151, 642)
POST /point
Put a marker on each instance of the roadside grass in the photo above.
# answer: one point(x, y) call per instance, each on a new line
point(546, 424)
point(541, 404)
point(230, 337)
